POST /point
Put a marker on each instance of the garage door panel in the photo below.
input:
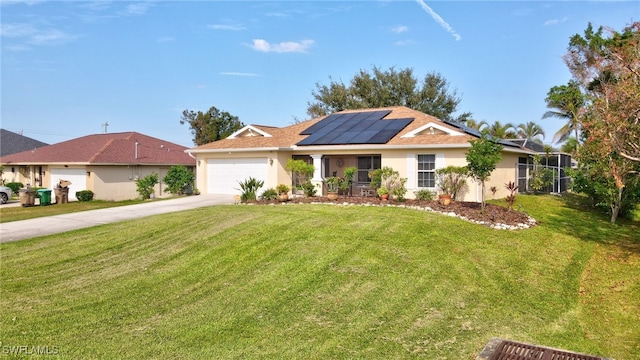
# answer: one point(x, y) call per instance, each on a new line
point(224, 175)
point(77, 177)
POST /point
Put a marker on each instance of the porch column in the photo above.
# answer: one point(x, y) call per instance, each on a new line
point(317, 180)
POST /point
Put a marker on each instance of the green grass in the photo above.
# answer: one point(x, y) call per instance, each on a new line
point(11, 213)
point(320, 281)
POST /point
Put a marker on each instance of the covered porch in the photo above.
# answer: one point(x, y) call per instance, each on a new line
point(333, 165)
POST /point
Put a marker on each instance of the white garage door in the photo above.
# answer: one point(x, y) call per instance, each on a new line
point(223, 175)
point(78, 178)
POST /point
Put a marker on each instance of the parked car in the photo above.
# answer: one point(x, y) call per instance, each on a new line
point(5, 194)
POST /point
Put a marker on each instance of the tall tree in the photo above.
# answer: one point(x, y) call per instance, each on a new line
point(391, 87)
point(530, 130)
point(565, 102)
point(608, 70)
point(502, 131)
point(211, 125)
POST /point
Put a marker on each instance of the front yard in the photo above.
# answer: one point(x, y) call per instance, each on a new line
point(318, 281)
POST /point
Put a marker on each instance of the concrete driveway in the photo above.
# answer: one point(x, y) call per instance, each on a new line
point(25, 229)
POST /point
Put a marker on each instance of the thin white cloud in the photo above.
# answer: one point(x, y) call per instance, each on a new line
point(226, 27)
point(34, 36)
point(16, 30)
point(555, 21)
point(283, 47)
point(276, 14)
point(404, 42)
point(439, 20)
point(51, 37)
point(27, 2)
point(233, 73)
point(165, 39)
point(400, 29)
point(137, 9)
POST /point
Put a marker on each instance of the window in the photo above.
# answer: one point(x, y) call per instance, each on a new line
point(366, 164)
point(427, 171)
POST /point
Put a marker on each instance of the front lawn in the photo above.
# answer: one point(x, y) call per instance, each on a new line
point(321, 281)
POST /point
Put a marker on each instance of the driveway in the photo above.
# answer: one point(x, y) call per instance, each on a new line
point(25, 229)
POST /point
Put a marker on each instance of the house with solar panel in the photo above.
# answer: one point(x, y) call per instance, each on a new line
point(411, 142)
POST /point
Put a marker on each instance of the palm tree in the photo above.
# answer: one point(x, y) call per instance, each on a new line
point(570, 146)
point(476, 125)
point(565, 102)
point(498, 130)
point(530, 130)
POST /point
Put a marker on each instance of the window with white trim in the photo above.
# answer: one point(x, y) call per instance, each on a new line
point(427, 171)
point(365, 165)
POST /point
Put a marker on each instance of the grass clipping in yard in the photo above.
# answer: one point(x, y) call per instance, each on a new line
point(317, 281)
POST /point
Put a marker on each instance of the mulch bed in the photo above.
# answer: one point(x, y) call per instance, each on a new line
point(493, 215)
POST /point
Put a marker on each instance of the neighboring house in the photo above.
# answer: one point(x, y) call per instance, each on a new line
point(107, 164)
point(411, 142)
point(556, 161)
point(12, 143)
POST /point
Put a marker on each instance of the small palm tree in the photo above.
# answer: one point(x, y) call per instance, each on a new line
point(475, 124)
point(530, 130)
point(565, 102)
point(498, 130)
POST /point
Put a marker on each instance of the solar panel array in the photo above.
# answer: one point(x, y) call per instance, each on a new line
point(354, 128)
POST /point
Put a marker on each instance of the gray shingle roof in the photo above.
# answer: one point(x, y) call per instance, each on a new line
point(12, 143)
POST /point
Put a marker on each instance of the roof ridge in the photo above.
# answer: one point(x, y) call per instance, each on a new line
point(101, 150)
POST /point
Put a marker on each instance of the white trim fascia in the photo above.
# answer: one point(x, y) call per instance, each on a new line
point(434, 126)
point(379, 147)
point(251, 128)
point(327, 148)
point(206, 151)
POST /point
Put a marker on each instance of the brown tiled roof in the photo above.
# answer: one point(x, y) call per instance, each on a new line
point(112, 148)
point(288, 136)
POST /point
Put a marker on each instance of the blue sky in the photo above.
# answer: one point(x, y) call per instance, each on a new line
point(69, 67)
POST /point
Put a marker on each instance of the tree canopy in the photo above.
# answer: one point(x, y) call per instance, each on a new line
point(390, 87)
point(211, 125)
point(606, 71)
point(565, 102)
point(530, 130)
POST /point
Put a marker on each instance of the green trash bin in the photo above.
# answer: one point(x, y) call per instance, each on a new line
point(45, 196)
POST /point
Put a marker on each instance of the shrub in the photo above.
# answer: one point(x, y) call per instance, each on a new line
point(146, 184)
point(178, 178)
point(249, 188)
point(84, 195)
point(269, 194)
point(309, 189)
point(15, 186)
point(282, 189)
point(391, 180)
point(511, 198)
point(334, 184)
point(349, 174)
point(541, 176)
point(300, 171)
point(400, 190)
point(377, 175)
point(452, 179)
point(424, 194)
